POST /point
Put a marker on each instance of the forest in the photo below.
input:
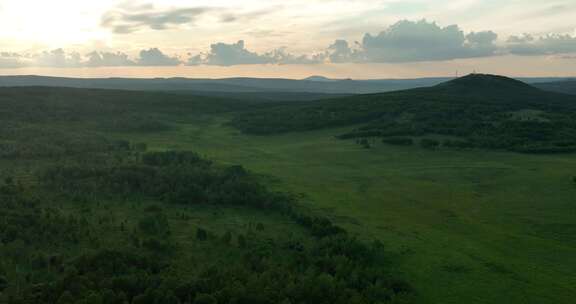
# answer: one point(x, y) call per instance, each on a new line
point(86, 217)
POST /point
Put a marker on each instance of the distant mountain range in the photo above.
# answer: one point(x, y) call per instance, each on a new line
point(275, 88)
point(564, 86)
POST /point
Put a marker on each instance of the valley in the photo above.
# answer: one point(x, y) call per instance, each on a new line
point(472, 225)
point(476, 224)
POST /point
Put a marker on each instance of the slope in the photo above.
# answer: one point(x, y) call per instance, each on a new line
point(485, 111)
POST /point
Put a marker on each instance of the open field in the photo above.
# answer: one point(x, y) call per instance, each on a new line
point(467, 226)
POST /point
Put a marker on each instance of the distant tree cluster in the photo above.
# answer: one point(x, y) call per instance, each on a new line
point(175, 177)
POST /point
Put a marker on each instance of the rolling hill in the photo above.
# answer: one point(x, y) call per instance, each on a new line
point(240, 87)
point(479, 111)
point(225, 85)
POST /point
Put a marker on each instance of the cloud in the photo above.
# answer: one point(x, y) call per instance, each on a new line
point(282, 56)
point(551, 44)
point(341, 52)
point(57, 58)
point(155, 57)
point(125, 22)
point(129, 19)
point(224, 54)
point(233, 16)
point(233, 54)
point(404, 41)
point(482, 43)
point(408, 41)
point(108, 59)
point(10, 60)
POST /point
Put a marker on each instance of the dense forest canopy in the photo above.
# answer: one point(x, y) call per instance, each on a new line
point(86, 217)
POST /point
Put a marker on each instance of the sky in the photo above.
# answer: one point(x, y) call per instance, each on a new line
point(357, 39)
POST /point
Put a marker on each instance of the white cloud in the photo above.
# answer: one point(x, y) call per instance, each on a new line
point(10, 60)
point(224, 54)
point(58, 58)
point(408, 41)
point(155, 57)
point(546, 45)
point(102, 59)
point(402, 42)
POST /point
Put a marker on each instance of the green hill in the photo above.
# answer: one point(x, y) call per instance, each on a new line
point(491, 84)
point(477, 111)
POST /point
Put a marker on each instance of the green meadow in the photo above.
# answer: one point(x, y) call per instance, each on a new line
point(468, 226)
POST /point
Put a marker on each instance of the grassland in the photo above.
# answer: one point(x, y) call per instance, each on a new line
point(466, 226)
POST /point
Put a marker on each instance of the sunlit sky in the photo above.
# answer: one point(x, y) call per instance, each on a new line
point(294, 39)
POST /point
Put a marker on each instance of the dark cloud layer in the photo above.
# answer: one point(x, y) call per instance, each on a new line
point(124, 22)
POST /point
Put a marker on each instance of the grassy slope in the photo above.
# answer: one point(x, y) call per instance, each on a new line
point(470, 227)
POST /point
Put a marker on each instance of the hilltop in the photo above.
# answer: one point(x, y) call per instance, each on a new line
point(486, 83)
point(482, 111)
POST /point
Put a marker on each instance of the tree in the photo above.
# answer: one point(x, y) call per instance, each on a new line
point(427, 143)
point(227, 238)
point(260, 227)
point(170, 298)
point(66, 298)
point(201, 234)
point(94, 298)
point(400, 141)
point(241, 241)
point(3, 283)
point(205, 299)
point(365, 144)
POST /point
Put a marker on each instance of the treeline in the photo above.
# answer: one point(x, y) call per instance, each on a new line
point(175, 177)
point(518, 136)
point(49, 105)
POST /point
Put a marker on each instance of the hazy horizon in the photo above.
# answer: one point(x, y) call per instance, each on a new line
point(332, 71)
